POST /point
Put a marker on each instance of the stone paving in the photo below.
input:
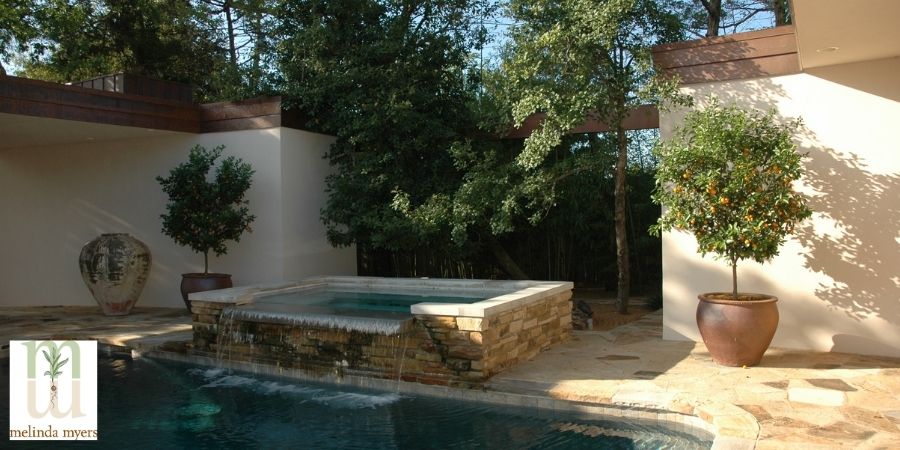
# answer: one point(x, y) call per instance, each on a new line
point(144, 328)
point(794, 399)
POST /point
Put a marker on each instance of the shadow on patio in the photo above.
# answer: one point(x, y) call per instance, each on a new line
point(819, 400)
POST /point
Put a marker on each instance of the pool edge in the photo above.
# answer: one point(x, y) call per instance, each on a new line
point(731, 427)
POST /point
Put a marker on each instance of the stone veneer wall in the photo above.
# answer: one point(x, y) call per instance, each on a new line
point(479, 348)
point(445, 350)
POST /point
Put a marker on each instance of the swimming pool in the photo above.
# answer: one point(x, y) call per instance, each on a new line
point(146, 403)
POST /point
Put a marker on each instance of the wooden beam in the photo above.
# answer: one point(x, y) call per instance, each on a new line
point(737, 56)
point(640, 118)
point(57, 101)
point(252, 114)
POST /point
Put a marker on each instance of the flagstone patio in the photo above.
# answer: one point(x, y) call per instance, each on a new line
point(795, 399)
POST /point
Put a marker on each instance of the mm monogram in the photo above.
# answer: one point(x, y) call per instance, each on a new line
point(52, 355)
point(53, 390)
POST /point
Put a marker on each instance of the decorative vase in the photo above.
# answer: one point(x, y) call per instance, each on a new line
point(114, 267)
point(201, 282)
point(737, 332)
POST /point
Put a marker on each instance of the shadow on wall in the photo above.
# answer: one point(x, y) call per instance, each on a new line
point(860, 251)
point(854, 240)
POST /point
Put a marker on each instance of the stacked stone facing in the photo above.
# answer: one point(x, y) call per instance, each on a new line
point(446, 350)
point(476, 348)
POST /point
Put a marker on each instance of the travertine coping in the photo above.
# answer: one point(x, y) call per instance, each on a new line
point(501, 295)
point(495, 305)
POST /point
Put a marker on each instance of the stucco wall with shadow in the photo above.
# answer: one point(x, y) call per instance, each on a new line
point(838, 278)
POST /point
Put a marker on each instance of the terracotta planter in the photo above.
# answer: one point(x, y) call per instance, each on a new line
point(200, 282)
point(737, 333)
point(115, 267)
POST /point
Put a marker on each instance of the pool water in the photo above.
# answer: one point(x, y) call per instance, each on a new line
point(152, 404)
point(362, 301)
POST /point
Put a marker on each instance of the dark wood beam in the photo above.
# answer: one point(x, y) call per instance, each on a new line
point(68, 102)
point(733, 57)
point(58, 101)
point(256, 113)
point(641, 118)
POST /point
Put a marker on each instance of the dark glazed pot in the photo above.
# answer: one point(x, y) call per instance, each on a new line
point(200, 282)
point(737, 333)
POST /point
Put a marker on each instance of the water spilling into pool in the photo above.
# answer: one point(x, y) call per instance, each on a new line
point(151, 404)
point(368, 312)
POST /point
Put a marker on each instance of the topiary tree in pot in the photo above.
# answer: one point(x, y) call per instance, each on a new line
point(206, 210)
point(726, 176)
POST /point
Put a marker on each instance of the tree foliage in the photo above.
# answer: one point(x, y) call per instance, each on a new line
point(245, 31)
point(573, 239)
point(205, 211)
point(726, 177)
point(16, 28)
point(577, 59)
point(74, 40)
point(388, 79)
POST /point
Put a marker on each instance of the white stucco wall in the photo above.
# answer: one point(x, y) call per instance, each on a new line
point(838, 279)
point(56, 198)
point(303, 166)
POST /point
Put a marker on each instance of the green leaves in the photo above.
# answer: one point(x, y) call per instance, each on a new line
point(72, 40)
point(579, 58)
point(726, 176)
point(205, 211)
point(55, 364)
point(392, 81)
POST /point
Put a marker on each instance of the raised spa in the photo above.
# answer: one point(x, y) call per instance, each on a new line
point(437, 331)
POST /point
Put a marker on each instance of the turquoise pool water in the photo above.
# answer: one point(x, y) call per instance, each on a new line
point(151, 404)
point(362, 301)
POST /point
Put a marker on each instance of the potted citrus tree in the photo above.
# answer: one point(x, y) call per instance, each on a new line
point(726, 176)
point(206, 210)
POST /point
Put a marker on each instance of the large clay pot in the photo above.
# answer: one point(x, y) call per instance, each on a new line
point(115, 267)
point(200, 282)
point(737, 332)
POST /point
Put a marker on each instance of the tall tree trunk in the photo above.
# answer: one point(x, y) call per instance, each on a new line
point(624, 279)
point(714, 16)
point(2, 70)
point(229, 21)
point(257, 51)
point(506, 262)
point(781, 9)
